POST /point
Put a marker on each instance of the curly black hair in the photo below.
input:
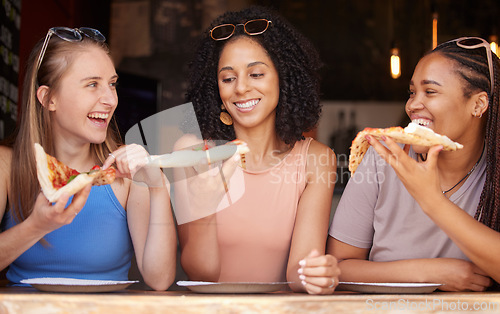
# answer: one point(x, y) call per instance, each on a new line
point(295, 59)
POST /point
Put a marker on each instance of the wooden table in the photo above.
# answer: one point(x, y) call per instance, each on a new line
point(29, 300)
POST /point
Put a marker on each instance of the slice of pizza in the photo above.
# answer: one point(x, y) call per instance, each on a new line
point(198, 154)
point(56, 178)
point(413, 134)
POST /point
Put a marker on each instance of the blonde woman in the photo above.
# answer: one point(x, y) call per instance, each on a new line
point(69, 98)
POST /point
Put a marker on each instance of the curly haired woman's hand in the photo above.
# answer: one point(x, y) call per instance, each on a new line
point(319, 274)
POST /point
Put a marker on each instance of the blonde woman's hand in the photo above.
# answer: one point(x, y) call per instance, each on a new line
point(47, 217)
point(319, 274)
point(132, 162)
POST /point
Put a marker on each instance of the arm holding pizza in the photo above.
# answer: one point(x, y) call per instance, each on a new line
point(44, 218)
point(480, 243)
point(149, 216)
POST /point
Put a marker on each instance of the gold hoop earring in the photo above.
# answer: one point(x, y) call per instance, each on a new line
point(225, 117)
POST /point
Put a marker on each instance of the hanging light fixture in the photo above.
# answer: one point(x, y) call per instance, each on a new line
point(395, 63)
point(434, 29)
point(494, 44)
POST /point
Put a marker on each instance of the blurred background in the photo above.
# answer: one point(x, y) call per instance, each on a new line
point(152, 41)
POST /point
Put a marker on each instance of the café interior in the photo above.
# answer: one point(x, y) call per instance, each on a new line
point(368, 49)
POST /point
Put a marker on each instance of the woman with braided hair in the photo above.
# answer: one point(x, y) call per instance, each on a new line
point(426, 215)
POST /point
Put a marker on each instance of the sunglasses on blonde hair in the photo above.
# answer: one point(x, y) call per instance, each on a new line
point(474, 43)
point(252, 27)
point(69, 34)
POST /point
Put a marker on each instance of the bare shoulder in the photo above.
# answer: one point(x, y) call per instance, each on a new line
point(316, 148)
point(5, 159)
point(320, 155)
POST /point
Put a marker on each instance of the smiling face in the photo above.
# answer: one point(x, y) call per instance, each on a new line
point(84, 102)
point(437, 99)
point(248, 83)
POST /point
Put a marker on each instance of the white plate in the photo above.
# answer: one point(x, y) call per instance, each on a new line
point(388, 287)
point(76, 285)
point(233, 287)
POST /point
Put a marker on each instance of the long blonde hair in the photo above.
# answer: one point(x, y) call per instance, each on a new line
point(36, 124)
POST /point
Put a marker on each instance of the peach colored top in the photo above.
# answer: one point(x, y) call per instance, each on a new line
point(255, 232)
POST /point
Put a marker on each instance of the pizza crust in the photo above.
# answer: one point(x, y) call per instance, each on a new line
point(44, 178)
point(190, 158)
point(413, 134)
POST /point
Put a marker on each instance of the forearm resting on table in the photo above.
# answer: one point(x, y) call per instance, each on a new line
point(412, 270)
point(478, 242)
point(292, 276)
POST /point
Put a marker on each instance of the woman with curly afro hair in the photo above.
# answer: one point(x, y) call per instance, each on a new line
point(254, 78)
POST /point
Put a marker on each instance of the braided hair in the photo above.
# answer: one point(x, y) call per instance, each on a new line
point(295, 59)
point(472, 66)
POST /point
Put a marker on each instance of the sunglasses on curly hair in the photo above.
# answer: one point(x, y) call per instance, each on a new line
point(69, 34)
point(252, 27)
point(474, 43)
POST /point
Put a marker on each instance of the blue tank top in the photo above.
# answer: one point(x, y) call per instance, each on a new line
point(96, 245)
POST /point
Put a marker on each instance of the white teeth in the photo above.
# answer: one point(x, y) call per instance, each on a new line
point(421, 122)
point(98, 115)
point(247, 104)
